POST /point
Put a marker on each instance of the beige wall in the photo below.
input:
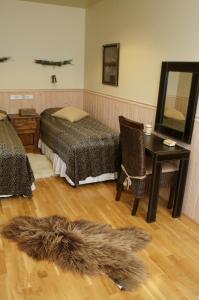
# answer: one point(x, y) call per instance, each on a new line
point(149, 31)
point(31, 31)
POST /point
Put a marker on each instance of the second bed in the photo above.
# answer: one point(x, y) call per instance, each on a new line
point(83, 152)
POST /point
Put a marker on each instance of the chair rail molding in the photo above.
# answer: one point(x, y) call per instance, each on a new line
point(107, 108)
point(40, 99)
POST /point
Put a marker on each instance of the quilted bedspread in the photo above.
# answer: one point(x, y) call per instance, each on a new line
point(16, 176)
point(88, 147)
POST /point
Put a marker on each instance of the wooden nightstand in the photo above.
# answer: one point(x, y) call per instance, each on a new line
point(27, 128)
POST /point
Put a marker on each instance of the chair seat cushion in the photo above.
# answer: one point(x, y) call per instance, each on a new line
point(167, 166)
point(142, 187)
point(167, 179)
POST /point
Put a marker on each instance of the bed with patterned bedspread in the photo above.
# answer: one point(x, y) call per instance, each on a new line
point(16, 176)
point(87, 147)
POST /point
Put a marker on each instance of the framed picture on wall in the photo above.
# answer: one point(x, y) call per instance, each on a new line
point(111, 64)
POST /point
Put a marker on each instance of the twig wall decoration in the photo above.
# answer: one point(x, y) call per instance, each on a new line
point(3, 59)
point(53, 63)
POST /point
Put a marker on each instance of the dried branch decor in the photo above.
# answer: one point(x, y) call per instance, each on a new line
point(3, 59)
point(53, 63)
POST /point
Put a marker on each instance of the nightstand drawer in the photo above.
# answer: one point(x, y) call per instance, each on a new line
point(22, 124)
point(27, 139)
point(27, 128)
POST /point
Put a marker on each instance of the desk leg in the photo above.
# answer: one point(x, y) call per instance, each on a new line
point(182, 175)
point(154, 192)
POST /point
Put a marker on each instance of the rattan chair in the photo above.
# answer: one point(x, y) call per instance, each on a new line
point(136, 169)
point(130, 123)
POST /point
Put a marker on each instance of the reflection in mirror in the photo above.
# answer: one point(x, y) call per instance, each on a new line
point(177, 99)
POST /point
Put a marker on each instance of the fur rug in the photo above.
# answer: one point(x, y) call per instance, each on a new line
point(82, 246)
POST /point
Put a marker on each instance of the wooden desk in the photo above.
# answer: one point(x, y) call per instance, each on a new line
point(160, 153)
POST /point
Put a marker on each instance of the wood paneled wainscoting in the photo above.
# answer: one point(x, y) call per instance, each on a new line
point(107, 108)
point(41, 99)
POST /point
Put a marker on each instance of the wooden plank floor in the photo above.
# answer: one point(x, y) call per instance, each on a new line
point(172, 257)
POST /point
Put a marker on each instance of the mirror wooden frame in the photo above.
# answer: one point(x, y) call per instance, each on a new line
point(191, 67)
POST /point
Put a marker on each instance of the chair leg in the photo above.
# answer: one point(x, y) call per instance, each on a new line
point(119, 191)
point(135, 206)
point(171, 197)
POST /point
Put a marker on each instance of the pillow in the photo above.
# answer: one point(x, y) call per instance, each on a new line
point(70, 113)
point(174, 114)
point(2, 115)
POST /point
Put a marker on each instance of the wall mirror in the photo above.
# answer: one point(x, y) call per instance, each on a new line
point(177, 99)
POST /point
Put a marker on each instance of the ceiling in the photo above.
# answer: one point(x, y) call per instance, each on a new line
point(74, 3)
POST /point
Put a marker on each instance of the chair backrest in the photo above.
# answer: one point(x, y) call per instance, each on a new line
point(130, 123)
point(133, 150)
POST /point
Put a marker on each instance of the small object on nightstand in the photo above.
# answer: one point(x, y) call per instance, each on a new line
point(27, 128)
point(169, 143)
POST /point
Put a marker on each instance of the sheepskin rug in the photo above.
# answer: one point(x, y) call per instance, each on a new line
point(83, 246)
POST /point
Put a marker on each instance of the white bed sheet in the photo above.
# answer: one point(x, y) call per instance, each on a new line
point(32, 188)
